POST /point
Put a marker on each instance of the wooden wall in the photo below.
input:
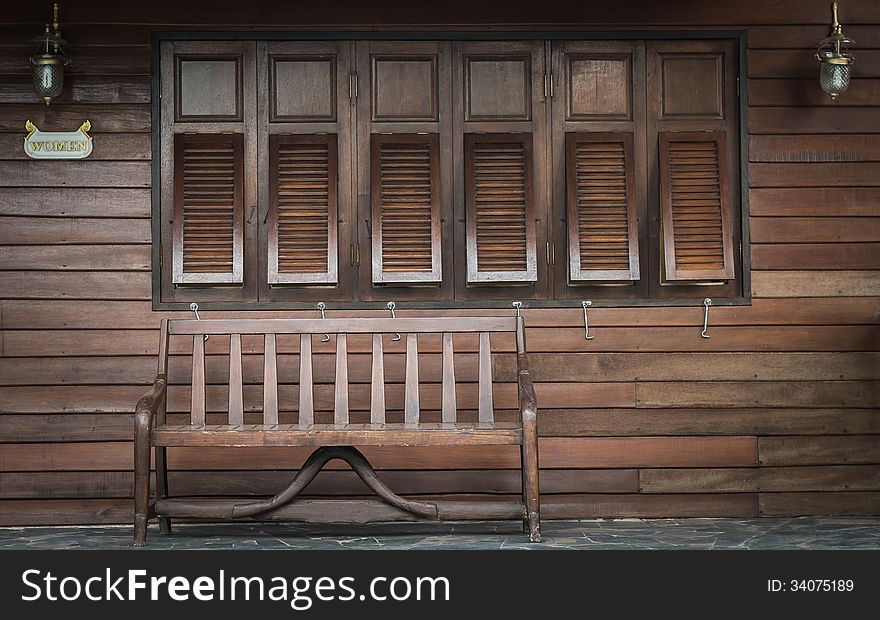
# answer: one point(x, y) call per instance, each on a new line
point(778, 413)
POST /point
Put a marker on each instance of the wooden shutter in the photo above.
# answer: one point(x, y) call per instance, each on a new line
point(405, 208)
point(695, 206)
point(500, 220)
point(302, 209)
point(602, 224)
point(208, 209)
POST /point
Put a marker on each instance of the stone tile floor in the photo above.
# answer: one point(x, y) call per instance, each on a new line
point(697, 534)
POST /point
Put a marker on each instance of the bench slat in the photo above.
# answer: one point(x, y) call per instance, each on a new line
point(270, 381)
point(449, 405)
point(394, 434)
point(306, 394)
point(341, 326)
point(377, 391)
point(236, 406)
point(340, 414)
point(411, 391)
point(485, 380)
point(197, 407)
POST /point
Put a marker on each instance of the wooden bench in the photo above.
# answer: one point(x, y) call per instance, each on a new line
point(339, 439)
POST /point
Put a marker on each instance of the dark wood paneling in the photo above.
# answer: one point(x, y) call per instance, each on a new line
point(81, 89)
point(798, 504)
point(60, 314)
point(818, 284)
point(108, 118)
point(803, 149)
point(804, 120)
point(849, 174)
point(63, 230)
point(816, 256)
point(803, 92)
point(764, 479)
point(32, 173)
point(75, 257)
point(759, 394)
point(69, 485)
point(556, 452)
point(76, 285)
point(819, 450)
point(814, 201)
point(815, 230)
point(797, 63)
point(75, 201)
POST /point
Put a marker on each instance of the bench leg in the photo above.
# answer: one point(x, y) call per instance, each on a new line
point(530, 477)
point(141, 476)
point(162, 486)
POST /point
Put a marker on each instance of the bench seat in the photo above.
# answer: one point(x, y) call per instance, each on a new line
point(385, 434)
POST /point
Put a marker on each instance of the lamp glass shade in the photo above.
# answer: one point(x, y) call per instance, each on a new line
point(834, 78)
point(48, 79)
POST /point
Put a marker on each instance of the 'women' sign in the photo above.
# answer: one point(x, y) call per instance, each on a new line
point(58, 144)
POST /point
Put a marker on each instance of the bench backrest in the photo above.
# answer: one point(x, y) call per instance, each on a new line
point(381, 329)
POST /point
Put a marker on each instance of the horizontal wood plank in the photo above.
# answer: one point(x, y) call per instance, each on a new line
point(821, 450)
point(64, 230)
point(815, 230)
point(75, 173)
point(788, 92)
point(106, 118)
point(76, 284)
point(816, 284)
point(74, 257)
point(819, 256)
point(91, 314)
point(763, 479)
point(813, 120)
point(555, 452)
point(758, 394)
point(812, 174)
point(799, 504)
point(75, 201)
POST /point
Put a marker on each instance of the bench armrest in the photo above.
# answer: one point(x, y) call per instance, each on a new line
point(528, 403)
point(149, 403)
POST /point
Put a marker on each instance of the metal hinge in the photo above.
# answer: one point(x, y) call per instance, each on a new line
point(352, 85)
point(548, 85)
point(355, 255)
point(161, 255)
point(737, 86)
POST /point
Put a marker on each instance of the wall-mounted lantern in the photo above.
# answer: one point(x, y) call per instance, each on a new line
point(49, 60)
point(835, 59)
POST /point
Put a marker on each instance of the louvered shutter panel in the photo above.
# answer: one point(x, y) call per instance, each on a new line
point(405, 208)
point(695, 206)
point(602, 226)
point(500, 220)
point(302, 209)
point(208, 209)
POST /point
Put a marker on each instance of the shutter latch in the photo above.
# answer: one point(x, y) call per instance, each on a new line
point(352, 85)
point(548, 85)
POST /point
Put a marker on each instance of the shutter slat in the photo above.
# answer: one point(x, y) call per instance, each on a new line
point(501, 243)
point(302, 210)
point(601, 205)
point(208, 208)
point(695, 207)
point(406, 208)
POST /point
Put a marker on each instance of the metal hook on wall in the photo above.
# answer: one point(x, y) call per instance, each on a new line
point(321, 306)
point(518, 306)
point(391, 307)
point(194, 308)
point(706, 303)
point(587, 304)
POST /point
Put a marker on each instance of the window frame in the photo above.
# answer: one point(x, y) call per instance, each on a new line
point(160, 253)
